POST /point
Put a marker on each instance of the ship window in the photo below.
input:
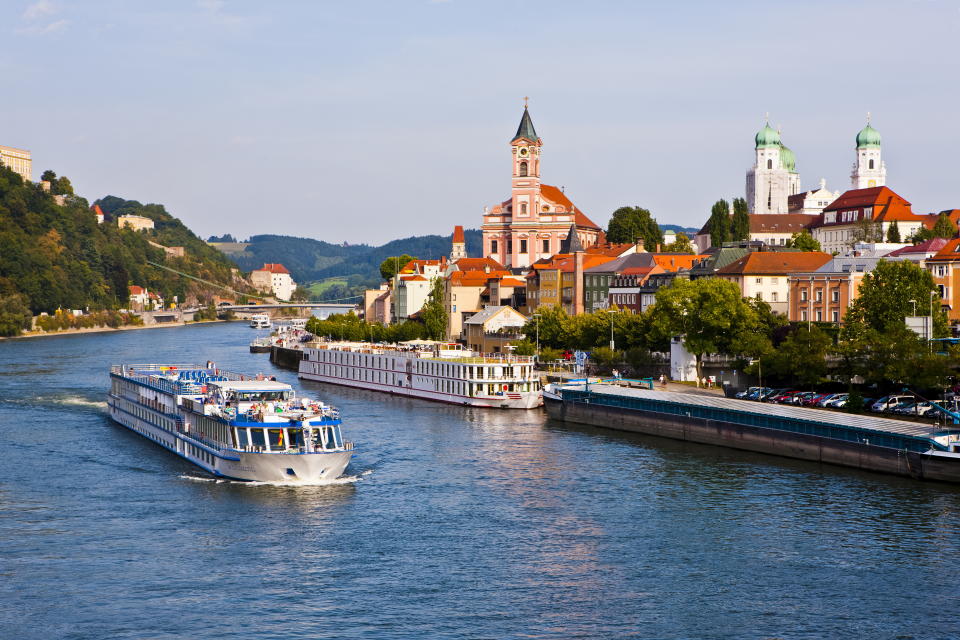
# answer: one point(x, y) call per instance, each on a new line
point(277, 441)
point(256, 437)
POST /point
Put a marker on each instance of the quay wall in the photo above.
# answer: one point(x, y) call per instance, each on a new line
point(286, 358)
point(781, 443)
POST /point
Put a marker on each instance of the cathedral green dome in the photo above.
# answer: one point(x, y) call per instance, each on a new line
point(787, 158)
point(868, 138)
point(767, 137)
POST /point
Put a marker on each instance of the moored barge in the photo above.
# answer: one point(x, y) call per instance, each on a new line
point(912, 449)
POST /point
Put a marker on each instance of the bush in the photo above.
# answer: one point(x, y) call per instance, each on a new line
point(854, 403)
point(525, 348)
point(548, 354)
point(15, 315)
point(606, 357)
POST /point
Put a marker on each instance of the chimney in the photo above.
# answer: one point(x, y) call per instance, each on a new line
point(578, 283)
point(640, 248)
point(658, 247)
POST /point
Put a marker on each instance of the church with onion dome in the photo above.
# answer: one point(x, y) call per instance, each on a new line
point(773, 182)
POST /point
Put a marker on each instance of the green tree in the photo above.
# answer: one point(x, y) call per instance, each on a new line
point(300, 294)
point(630, 224)
point(740, 225)
point(555, 328)
point(802, 357)
point(867, 231)
point(62, 187)
point(920, 235)
point(709, 313)
point(525, 348)
point(48, 176)
point(681, 245)
point(393, 264)
point(434, 312)
point(15, 315)
point(719, 223)
point(944, 228)
point(892, 291)
point(893, 232)
point(804, 242)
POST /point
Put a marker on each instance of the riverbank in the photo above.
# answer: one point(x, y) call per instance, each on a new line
point(67, 332)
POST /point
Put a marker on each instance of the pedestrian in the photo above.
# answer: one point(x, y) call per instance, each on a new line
point(663, 381)
point(616, 374)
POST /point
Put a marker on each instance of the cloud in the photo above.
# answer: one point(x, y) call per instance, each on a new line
point(39, 16)
point(39, 9)
point(44, 29)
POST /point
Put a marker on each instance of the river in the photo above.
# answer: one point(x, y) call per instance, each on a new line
point(452, 523)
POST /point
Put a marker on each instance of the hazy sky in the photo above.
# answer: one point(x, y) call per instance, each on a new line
point(367, 121)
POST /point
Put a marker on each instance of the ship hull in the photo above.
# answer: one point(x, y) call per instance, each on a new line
point(860, 455)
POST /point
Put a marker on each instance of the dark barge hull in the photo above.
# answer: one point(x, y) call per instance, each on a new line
point(859, 455)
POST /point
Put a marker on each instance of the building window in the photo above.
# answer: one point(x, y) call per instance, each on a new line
point(819, 316)
point(523, 169)
point(773, 281)
point(493, 246)
point(510, 245)
point(523, 208)
point(835, 294)
point(871, 163)
point(803, 295)
point(773, 296)
point(546, 246)
point(523, 246)
point(769, 163)
point(836, 316)
point(819, 295)
point(803, 316)
point(759, 280)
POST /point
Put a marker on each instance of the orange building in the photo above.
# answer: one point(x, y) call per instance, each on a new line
point(945, 269)
point(825, 294)
point(764, 275)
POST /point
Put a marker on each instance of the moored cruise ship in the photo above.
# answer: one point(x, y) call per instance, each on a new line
point(230, 425)
point(431, 371)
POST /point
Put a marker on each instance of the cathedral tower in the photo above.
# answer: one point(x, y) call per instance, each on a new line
point(525, 149)
point(869, 169)
point(773, 177)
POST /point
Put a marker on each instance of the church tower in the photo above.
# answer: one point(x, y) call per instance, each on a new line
point(525, 185)
point(869, 169)
point(773, 177)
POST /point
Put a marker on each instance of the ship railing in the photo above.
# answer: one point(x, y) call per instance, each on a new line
point(253, 448)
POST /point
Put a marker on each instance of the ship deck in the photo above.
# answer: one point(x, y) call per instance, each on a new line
point(625, 397)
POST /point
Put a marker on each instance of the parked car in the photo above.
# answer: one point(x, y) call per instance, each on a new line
point(889, 402)
point(760, 393)
point(747, 392)
point(783, 398)
point(769, 394)
point(836, 400)
point(802, 397)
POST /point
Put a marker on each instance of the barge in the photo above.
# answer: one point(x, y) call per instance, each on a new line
point(912, 449)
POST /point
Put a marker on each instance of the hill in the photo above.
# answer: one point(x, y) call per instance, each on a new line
point(342, 270)
point(690, 231)
point(57, 255)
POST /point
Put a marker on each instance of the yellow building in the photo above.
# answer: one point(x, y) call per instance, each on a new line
point(17, 159)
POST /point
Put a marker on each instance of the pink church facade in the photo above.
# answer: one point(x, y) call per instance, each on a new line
point(537, 218)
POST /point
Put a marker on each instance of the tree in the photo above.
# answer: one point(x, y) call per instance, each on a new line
point(15, 315)
point(944, 228)
point(867, 231)
point(681, 245)
point(719, 223)
point(61, 186)
point(630, 224)
point(740, 225)
point(922, 234)
point(48, 176)
point(893, 232)
point(804, 242)
point(709, 313)
point(802, 357)
point(300, 294)
point(434, 312)
point(892, 291)
point(393, 264)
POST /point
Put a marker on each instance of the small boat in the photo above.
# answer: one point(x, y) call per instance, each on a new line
point(262, 344)
point(230, 425)
point(260, 321)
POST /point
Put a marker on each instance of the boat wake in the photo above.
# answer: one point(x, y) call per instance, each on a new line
point(61, 400)
point(256, 483)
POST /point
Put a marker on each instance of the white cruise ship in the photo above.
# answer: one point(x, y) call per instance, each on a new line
point(260, 321)
point(230, 425)
point(431, 371)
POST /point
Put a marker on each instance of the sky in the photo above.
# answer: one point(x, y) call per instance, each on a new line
point(362, 122)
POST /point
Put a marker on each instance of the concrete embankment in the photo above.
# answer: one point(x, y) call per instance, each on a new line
point(286, 358)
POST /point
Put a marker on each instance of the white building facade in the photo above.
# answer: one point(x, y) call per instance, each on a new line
point(869, 169)
point(773, 177)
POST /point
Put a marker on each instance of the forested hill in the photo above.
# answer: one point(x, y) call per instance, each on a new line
point(312, 260)
point(58, 256)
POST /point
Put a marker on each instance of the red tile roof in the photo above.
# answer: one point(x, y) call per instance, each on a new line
point(478, 264)
point(781, 222)
point(888, 205)
point(949, 253)
point(928, 246)
point(930, 220)
point(554, 194)
point(458, 235)
point(97, 210)
point(136, 291)
point(273, 267)
point(776, 263)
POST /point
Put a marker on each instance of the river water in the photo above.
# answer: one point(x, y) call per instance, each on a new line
point(452, 523)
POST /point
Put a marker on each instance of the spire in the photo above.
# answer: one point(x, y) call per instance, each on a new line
point(526, 130)
point(572, 242)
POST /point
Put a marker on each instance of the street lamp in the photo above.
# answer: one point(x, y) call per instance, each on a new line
point(612, 347)
point(914, 306)
point(930, 326)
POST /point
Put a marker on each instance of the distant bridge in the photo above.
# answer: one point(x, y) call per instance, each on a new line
point(325, 306)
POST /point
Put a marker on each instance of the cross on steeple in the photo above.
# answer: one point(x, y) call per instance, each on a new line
point(525, 99)
point(868, 117)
